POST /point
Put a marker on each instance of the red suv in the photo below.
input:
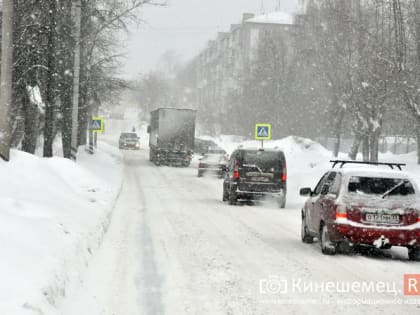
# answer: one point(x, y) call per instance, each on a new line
point(363, 206)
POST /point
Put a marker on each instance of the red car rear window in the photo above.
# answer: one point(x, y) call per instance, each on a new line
point(380, 186)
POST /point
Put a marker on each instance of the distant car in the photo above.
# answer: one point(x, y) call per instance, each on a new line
point(254, 174)
point(363, 206)
point(214, 162)
point(202, 146)
point(129, 140)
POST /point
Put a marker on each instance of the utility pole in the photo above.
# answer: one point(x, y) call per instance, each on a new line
point(51, 81)
point(76, 9)
point(262, 7)
point(6, 78)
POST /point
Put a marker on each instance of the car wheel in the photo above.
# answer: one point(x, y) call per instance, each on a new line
point(306, 238)
point(327, 246)
point(282, 202)
point(233, 199)
point(414, 253)
point(225, 195)
point(200, 174)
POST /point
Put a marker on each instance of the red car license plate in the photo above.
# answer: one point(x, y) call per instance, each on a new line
point(382, 218)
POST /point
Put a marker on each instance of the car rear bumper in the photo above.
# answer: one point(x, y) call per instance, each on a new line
point(129, 146)
point(369, 235)
point(174, 157)
point(249, 194)
point(217, 170)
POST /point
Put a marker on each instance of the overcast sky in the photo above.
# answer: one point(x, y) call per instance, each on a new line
point(185, 26)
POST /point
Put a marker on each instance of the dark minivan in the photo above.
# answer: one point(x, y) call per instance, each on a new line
point(253, 174)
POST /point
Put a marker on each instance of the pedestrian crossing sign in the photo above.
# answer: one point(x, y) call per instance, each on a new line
point(263, 132)
point(97, 124)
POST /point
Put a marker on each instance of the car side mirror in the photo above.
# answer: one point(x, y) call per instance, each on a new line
point(305, 192)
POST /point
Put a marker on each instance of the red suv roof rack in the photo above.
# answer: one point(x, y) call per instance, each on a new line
point(343, 162)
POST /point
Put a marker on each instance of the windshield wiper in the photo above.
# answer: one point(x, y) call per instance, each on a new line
point(394, 188)
point(254, 166)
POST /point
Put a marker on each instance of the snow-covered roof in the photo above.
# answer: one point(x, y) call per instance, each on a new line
point(371, 171)
point(274, 18)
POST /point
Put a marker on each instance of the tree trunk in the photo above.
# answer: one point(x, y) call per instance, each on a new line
point(418, 139)
point(374, 147)
point(337, 131)
point(365, 148)
point(49, 127)
point(31, 124)
point(337, 144)
point(18, 118)
point(84, 97)
point(6, 78)
point(76, 78)
point(355, 147)
point(65, 82)
point(374, 140)
point(417, 15)
point(66, 122)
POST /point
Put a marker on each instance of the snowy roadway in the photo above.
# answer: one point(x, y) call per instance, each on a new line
point(173, 247)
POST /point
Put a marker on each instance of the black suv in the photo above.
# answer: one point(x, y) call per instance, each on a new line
point(255, 173)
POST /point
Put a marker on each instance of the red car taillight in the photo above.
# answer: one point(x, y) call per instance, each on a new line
point(236, 170)
point(284, 173)
point(340, 212)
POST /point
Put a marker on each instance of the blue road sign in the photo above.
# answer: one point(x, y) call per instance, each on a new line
point(263, 132)
point(97, 124)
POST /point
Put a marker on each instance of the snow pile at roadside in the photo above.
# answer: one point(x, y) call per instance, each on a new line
point(308, 160)
point(53, 213)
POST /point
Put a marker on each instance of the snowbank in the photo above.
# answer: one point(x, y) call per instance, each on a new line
point(308, 160)
point(53, 214)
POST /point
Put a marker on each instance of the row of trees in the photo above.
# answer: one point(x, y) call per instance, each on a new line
point(353, 69)
point(346, 68)
point(368, 55)
point(44, 40)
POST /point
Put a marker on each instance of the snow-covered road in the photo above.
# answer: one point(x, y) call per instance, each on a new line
point(173, 247)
